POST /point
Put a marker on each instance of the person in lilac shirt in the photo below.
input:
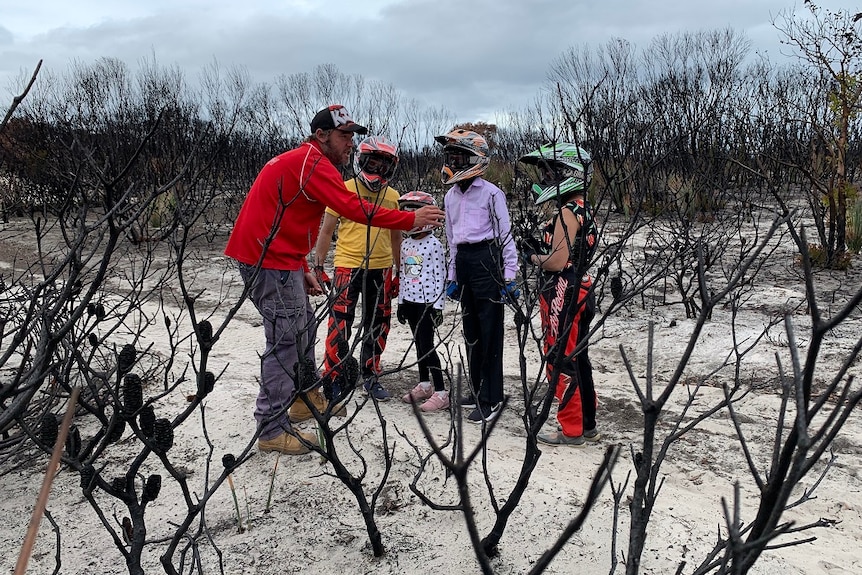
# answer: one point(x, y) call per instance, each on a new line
point(483, 263)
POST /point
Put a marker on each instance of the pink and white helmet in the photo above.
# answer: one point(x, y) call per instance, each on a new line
point(412, 201)
point(375, 162)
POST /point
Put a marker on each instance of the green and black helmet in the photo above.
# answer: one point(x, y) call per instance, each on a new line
point(564, 168)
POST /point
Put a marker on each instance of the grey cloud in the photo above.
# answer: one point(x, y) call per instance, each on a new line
point(471, 57)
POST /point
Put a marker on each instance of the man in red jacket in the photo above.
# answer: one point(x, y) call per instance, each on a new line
point(274, 232)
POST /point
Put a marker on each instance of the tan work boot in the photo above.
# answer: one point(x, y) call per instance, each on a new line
point(288, 444)
point(300, 412)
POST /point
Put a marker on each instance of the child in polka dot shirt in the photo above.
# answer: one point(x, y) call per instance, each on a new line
point(420, 304)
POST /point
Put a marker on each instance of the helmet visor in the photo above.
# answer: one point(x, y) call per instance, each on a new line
point(552, 173)
point(377, 165)
point(458, 159)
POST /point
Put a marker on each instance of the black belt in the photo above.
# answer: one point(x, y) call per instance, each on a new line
point(477, 245)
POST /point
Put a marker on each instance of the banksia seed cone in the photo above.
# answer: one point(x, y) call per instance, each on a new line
point(118, 484)
point(133, 393)
point(343, 349)
point(126, 359)
point(91, 308)
point(152, 487)
point(163, 435)
point(350, 370)
point(229, 461)
point(100, 312)
point(328, 390)
point(205, 334)
point(206, 383)
point(115, 431)
point(147, 420)
point(88, 475)
point(73, 442)
point(128, 530)
point(48, 429)
point(94, 341)
point(616, 287)
point(306, 374)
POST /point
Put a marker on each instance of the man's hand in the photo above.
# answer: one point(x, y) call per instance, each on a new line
point(312, 286)
point(322, 279)
point(393, 287)
point(429, 216)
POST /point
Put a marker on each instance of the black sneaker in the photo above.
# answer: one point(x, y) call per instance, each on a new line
point(484, 412)
point(375, 390)
point(468, 401)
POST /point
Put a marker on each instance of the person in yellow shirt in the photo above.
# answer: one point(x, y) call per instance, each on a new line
point(364, 259)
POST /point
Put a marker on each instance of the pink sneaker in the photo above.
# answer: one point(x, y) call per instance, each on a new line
point(421, 392)
point(438, 401)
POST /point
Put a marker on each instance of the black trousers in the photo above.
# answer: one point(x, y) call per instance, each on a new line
point(419, 317)
point(478, 271)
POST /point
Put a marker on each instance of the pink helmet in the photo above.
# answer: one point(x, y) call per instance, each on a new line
point(412, 201)
point(375, 162)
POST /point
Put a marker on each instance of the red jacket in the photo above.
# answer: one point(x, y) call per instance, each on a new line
point(308, 183)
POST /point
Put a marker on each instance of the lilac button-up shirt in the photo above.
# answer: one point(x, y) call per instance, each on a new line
point(477, 215)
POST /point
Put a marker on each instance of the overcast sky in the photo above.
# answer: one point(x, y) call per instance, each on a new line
point(475, 57)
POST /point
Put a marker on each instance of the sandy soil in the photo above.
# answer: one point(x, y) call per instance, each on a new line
point(308, 522)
